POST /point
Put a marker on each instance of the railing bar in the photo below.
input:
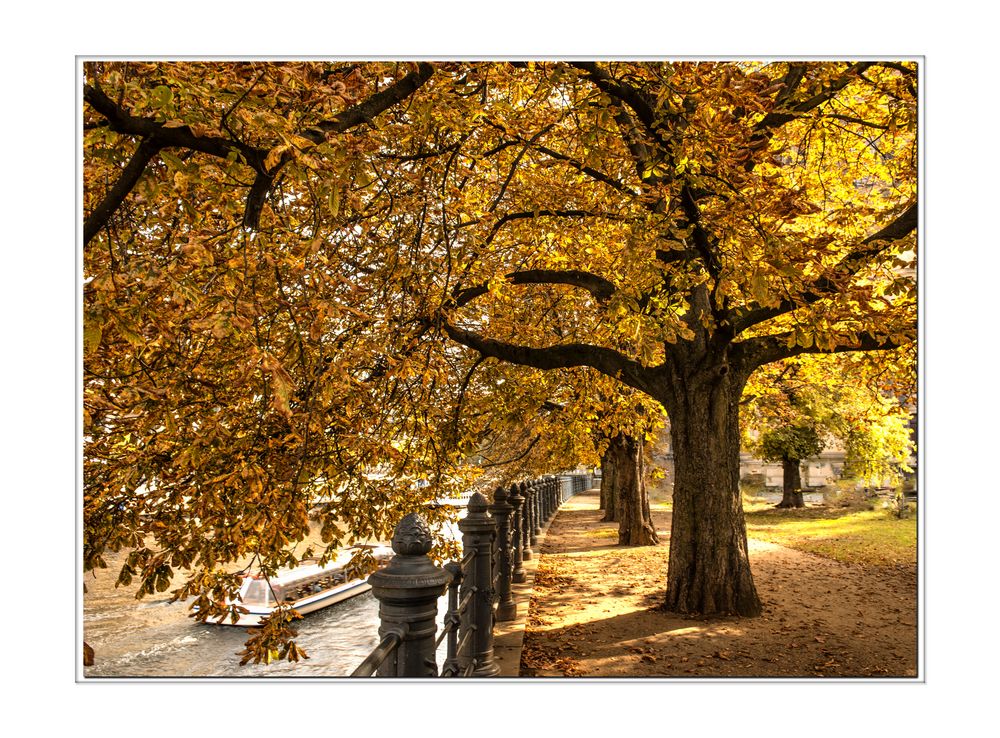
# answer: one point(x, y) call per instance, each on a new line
point(382, 651)
point(466, 600)
point(465, 637)
point(469, 668)
point(447, 628)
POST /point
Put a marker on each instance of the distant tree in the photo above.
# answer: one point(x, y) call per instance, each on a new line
point(794, 409)
point(790, 445)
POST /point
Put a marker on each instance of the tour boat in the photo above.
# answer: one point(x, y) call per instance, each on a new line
point(306, 588)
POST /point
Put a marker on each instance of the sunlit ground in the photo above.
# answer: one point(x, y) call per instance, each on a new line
point(871, 537)
point(596, 607)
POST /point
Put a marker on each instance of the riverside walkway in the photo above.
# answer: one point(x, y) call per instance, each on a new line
point(509, 636)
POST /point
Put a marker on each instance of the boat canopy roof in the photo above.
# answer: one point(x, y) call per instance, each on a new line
point(306, 571)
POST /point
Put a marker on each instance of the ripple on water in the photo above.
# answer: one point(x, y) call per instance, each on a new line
point(128, 644)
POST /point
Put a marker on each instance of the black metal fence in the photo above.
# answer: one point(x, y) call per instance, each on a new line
point(497, 539)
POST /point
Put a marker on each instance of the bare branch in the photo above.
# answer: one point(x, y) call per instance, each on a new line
point(160, 135)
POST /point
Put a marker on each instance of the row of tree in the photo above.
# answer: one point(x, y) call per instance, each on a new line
point(343, 281)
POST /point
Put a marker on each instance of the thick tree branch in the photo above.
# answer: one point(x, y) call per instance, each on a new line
point(159, 134)
point(830, 283)
point(626, 98)
point(674, 255)
point(787, 110)
point(366, 111)
point(702, 242)
point(636, 146)
point(130, 175)
point(777, 118)
point(604, 360)
point(182, 137)
point(766, 349)
point(598, 286)
point(642, 106)
point(363, 112)
point(793, 78)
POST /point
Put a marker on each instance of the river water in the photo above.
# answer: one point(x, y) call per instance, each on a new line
point(153, 637)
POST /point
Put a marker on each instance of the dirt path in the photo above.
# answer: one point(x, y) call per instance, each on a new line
point(594, 613)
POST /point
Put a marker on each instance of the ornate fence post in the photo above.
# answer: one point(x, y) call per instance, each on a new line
point(478, 531)
point(530, 500)
point(527, 521)
point(549, 497)
point(407, 591)
point(520, 529)
point(536, 523)
point(501, 511)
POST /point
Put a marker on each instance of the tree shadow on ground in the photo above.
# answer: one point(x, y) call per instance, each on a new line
point(812, 512)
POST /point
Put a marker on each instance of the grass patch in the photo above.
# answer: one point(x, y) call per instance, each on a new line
point(871, 537)
point(603, 533)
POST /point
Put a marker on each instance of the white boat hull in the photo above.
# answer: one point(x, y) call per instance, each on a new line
point(304, 606)
point(259, 602)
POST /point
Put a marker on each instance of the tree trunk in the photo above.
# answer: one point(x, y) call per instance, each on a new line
point(628, 490)
point(609, 475)
point(709, 570)
point(791, 484)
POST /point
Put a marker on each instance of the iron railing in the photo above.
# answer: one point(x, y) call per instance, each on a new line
point(496, 540)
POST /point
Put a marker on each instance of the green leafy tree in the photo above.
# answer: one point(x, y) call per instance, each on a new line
point(794, 409)
point(790, 445)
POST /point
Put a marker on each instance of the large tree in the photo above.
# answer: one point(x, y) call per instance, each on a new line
point(673, 226)
point(698, 221)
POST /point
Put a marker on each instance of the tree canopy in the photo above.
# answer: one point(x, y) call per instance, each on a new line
point(293, 269)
